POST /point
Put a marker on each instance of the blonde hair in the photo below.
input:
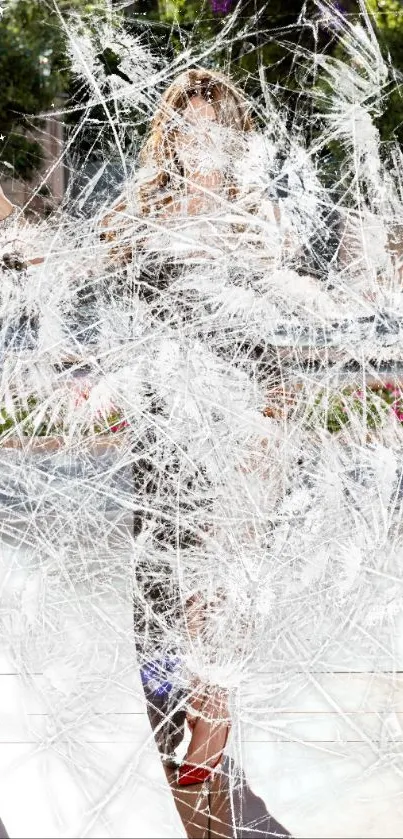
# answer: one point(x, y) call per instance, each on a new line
point(158, 152)
point(156, 191)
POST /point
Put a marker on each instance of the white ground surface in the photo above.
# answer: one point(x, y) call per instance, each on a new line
point(313, 770)
point(327, 763)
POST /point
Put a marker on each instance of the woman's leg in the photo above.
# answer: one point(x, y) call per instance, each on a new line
point(166, 709)
point(208, 713)
point(209, 728)
point(207, 717)
point(153, 598)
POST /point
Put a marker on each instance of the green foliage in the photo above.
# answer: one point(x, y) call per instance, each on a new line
point(22, 155)
point(387, 16)
point(336, 410)
point(34, 72)
point(30, 420)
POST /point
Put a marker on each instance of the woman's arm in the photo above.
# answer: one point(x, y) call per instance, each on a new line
point(6, 207)
point(8, 215)
point(7, 210)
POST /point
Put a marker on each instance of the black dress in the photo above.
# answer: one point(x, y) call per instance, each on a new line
point(174, 504)
point(173, 521)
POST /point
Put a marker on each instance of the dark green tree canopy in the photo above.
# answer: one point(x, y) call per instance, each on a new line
point(34, 72)
point(265, 36)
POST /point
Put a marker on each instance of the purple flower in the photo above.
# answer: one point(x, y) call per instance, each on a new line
point(158, 676)
point(221, 7)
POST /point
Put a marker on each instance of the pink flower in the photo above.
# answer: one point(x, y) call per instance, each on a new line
point(119, 426)
point(391, 387)
point(398, 414)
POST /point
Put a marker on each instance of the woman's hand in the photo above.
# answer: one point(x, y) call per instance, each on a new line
point(6, 207)
point(14, 261)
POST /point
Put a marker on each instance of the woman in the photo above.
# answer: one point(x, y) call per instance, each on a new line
point(186, 208)
point(186, 180)
point(181, 209)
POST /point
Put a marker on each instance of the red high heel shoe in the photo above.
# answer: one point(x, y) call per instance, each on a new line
point(190, 773)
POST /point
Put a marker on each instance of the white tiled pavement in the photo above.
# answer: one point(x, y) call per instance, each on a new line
point(314, 770)
point(328, 762)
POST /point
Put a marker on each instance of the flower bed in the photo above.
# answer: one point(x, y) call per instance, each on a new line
point(333, 410)
point(336, 410)
point(372, 406)
point(53, 418)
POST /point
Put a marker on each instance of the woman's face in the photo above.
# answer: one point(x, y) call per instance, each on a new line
point(197, 141)
point(198, 109)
